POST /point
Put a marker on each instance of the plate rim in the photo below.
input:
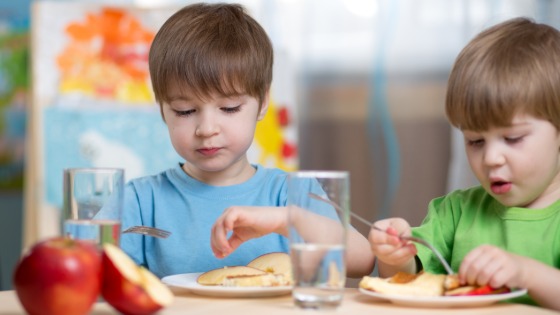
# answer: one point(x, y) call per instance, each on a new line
point(192, 286)
point(445, 301)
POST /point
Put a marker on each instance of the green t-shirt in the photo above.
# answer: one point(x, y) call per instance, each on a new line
point(465, 219)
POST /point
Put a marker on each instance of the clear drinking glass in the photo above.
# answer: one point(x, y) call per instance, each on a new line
point(317, 233)
point(93, 202)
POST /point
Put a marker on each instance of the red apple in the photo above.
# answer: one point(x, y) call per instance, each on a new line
point(59, 276)
point(129, 288)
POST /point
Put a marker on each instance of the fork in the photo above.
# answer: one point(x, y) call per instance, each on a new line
point(401, 237)
point(148, 230)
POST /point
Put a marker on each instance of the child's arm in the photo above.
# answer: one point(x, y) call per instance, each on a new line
point(491, 265)
point(251, 222)
point(359, 258)
point(392, 253)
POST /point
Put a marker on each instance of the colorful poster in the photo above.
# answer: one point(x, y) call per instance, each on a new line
point(135, 139)
point(94, 106)
point(14, 52)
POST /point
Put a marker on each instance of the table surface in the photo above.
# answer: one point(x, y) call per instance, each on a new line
point(354, 303)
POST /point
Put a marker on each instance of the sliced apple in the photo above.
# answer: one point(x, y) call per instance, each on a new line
point(129, 288)
point(217, 276)
point(275, 263)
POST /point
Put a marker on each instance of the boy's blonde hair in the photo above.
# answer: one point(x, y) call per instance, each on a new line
point(211, 48)
point(511, 68)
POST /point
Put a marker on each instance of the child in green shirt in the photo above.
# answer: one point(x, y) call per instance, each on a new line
point(504, 96)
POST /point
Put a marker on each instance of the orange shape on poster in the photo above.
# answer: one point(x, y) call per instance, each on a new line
point(107, 57)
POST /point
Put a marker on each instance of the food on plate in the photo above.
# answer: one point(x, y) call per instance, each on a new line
point(58, 276)
point(264, 280)
point(269, 270)
point(217, 276)
point(476, 290)
point(275, 263)
point(129, 288)
point(424, 284)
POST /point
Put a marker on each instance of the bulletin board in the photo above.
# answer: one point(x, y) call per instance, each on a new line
point(92, 104)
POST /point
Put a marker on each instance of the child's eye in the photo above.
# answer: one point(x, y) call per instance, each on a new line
point(475, 143)
point(231, 110)
point(513, 139)
point(184, 113)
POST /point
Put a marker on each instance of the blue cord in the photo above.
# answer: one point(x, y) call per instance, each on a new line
point(379, 118)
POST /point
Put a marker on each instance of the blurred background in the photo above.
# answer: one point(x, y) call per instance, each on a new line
point(362, 82)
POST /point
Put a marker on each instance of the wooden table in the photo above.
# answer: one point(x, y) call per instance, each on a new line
point(354, 303)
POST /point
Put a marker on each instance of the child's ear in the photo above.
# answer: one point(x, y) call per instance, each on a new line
point(264, 107)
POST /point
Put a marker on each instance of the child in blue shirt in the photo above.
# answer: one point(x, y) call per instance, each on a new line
point(211, 71)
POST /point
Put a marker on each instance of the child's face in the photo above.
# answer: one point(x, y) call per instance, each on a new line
point(212, 135)
point(517, 165)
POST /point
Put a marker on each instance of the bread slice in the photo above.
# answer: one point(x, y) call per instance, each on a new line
point(402, 277)
point(217, 276)
point(451, 282)
point(272, 269)
point(274, 263)
point(460, 290)
point(266, 280)
point(424, 284)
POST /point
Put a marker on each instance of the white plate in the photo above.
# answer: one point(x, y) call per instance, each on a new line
point(445, 301)
point(187, 281)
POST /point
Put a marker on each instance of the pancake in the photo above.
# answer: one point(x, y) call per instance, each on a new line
point(425, 284)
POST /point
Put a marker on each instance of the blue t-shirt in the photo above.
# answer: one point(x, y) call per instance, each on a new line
point(174, 201)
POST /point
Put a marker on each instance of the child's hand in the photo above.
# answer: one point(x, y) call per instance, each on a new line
point(388, 247)
point(245, 223)
point(491, 265)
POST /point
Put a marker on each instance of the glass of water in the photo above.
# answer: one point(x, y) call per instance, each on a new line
point(93, 202)
point(317, 233)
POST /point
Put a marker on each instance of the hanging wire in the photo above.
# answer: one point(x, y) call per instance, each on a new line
point(380, 129)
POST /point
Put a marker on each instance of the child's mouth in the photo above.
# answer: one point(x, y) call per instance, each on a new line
point(209, 151)
point(500, 187)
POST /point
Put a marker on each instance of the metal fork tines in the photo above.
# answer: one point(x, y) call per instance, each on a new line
point(406, 238)
point(425, 243)
point(148, 230)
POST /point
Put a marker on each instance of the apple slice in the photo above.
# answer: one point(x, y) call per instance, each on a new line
point(129, 288)
point(217, 276)
point(275, 263)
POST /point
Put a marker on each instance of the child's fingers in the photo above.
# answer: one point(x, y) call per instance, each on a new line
point(380, 238)
point(473, 267)
point(402, 255)
point(234, 242)
point(396, 255)
point(218, 243)
point(218, 239)
point(392, 231)
point(488, 270)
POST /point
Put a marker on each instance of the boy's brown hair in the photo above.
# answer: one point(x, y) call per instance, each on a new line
point(511, 68)
point(211, 48)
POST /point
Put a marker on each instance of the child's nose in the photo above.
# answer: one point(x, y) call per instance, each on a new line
point(207, 126)
point(493, 155)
